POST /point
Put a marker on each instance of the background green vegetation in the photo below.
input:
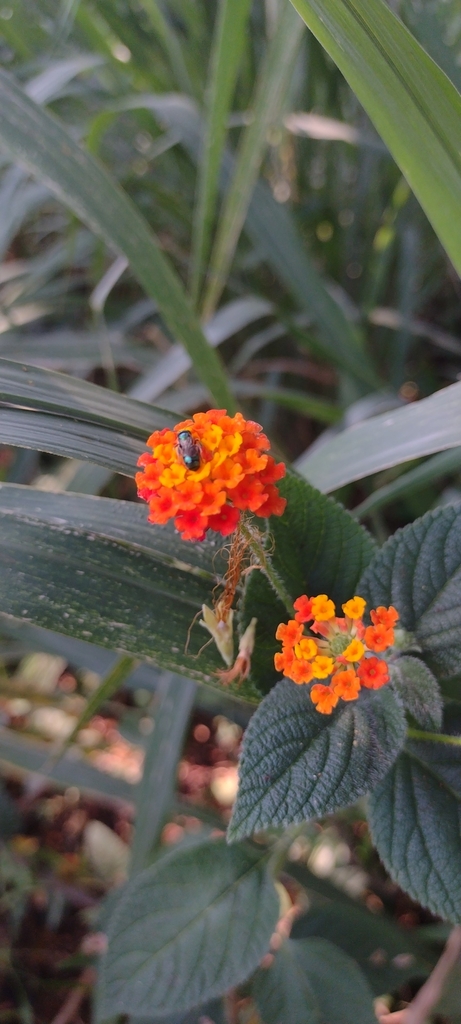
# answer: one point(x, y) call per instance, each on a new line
point(213, 203)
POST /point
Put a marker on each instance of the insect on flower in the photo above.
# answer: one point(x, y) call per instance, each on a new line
point(189, 450)
point(207, 471)
point(340, 649)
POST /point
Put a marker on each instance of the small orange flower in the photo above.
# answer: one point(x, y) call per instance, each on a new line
point(346, 684)
point(336, 647)
point(384, 616)
point(373, 673)
point(324, 697)
point(207, 471)
point(379, 638)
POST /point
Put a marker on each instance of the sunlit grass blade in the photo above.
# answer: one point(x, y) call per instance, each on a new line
point(39, 143)
point(410, 482)
point(431, 425)
point(270, 90)
point(414, 106)
point(228, 44)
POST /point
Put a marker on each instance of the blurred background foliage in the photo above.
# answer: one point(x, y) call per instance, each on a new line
point(314, 269)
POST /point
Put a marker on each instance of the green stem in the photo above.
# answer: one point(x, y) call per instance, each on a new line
point(434, 737)
point(257, 547)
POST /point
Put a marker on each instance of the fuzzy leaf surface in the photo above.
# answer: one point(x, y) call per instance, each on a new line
point(316, 547)
point(418, 690)
point(419, 571)
point(415, 820)
point(191, 926)
point(360, 933)
point(297, 764)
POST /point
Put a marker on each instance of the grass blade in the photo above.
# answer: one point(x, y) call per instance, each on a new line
point(432, 425)
point(171, 716)
point(227, 50)
point(412, 103)
point(434, 468)
point(271, 85)
point(39, 143)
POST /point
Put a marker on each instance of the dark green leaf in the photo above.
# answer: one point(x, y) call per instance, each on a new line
point(415, 819)
point(388, 955)
point(298, 764)
point(210, 904)
point(317, 548)
point(30, 387)
point(70, 563)
point(312, 981)
point(419, 571)
point(71, 438)
point(283, 991)
point(418, 691)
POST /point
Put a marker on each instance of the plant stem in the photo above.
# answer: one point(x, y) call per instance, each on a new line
point(264, 561)
point(434, 737)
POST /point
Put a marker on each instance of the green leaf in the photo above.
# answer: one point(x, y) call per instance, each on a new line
point(212, 904)
point(87, 421)
point(387, 440)
point(94, 569)
point(273, 232)
point(415, 820)
point(31, 387)
point(228, 44)
point(387, 955)
point(283, 991)
point(419, 571)
point(297, 764)
point(317, 547)
point(412, 103)
point(71, 438)
point(270, 90)
point(418, 691)
point(40, 144)
point(171, 717)
point(411, 482)
point(312, 981)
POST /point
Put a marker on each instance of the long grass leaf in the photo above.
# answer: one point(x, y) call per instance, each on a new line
point(413, 104)
point(42, 145)
point(270, 90)
point(226, 54)
point(432, 425)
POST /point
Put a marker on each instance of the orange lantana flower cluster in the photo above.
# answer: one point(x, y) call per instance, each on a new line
point(343, 649)
point(207, 471)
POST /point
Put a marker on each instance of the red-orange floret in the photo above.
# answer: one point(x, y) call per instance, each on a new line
point(234, 474)
point(384, 616)
point(373, 673)
point(303, 609)
point(379, 638)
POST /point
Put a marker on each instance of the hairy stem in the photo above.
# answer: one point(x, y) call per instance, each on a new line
point(434, 737)
point(256, 545)
point(421, 1007)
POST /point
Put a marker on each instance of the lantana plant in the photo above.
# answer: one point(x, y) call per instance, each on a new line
point(344, 658)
